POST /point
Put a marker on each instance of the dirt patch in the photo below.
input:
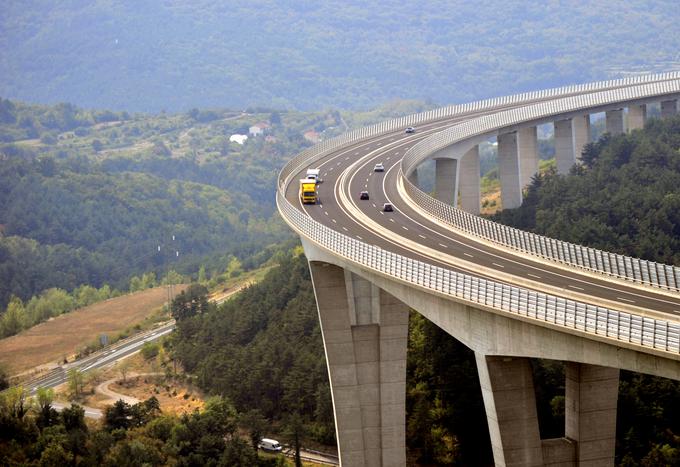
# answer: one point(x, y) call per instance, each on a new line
point(64, 335)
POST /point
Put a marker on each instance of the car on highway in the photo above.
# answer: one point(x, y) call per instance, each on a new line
point(410, 129)
point(379, 167)
point(363, 195)
point(387, 207)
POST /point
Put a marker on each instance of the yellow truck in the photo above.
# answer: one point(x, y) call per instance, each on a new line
point(308, 191)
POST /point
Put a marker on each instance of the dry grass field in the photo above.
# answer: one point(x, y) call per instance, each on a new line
point(62, 336)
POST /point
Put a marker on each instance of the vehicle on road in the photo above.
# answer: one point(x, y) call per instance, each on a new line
point(269, 445)
point(308, 194)
point(410, 129)
point(379, 167)
point(387, 207)
point(313, 174)
point(363, 195)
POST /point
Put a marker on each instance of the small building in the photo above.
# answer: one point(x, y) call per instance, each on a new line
point(312, 136)
point(258, 128)
point(239, 139)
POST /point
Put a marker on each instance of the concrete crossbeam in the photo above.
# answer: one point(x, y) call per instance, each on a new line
point(510, 404)
point(637, 114)
point(669, 108)
point(509, 170)
point(614, 122)
point(468, 181)
point(446, 181)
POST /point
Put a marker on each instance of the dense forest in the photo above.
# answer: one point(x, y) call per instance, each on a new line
point(33, 433)
point(173, 55)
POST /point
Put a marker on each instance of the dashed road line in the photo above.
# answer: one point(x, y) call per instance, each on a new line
point(442, 245)
point(422, 236)
point(404, 227)
point(533, 275)
point(575, 287)
point(498, 265)
point(468, 254)
point(625, 300)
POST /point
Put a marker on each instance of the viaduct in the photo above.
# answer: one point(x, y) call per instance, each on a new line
point(508, 295)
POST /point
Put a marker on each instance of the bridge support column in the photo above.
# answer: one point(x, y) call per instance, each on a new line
point(637, 114)
point(365, 333)
point(571, 136)
point(509, 171)
point(446, 181)
point(590, 412)
point(614, 122)
point(469, 179)
point(510, 404)
point(527, 141)
point(413, 177)
point(669, 108)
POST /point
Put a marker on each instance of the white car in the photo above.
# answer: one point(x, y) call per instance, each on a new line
point(379, 167)
point(410, 129)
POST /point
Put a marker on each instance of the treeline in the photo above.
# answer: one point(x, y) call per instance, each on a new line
point(625, 197)
point(33, 433)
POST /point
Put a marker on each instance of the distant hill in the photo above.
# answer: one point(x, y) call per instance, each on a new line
point(174, 55)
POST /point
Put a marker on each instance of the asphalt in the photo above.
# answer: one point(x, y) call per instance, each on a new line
point(350, 170)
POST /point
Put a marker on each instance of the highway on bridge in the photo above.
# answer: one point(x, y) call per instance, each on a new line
point(348, 171)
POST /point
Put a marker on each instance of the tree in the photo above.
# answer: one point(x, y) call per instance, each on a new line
point(255, 423)
point(14, 319)
point(117, 416)
point(76, 381)
point(124, 368)
point(190, 302)
point(47, 415)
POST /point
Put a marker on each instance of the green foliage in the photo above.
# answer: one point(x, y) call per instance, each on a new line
point(190, 302)
point(150, 350)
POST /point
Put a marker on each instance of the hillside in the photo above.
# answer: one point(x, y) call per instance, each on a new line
point(295, 54)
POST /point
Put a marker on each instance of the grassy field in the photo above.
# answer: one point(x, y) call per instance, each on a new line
point(63, 336)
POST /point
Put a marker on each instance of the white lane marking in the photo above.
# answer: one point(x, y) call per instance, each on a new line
point(381, 213)
point(366, 178)
point(325, 173)
point(347, 158)
point(404, 227)
point(391, 220)
point(468, 254)
point(321, 205)
point(575, 287)
point(533, 275)
point(359, 237)
point(365, 185)
point(325, 212)
point(356, 153)
point(388, 157)
point(625, 300)
point(422, 236)
point(345, 228)
point(334, 221)
point(331, 169)
point(442, 245)
point(373, 205)
point(338, 163)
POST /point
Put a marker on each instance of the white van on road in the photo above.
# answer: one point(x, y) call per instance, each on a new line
point(269, 445)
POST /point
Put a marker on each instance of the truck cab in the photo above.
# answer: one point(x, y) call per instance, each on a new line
point(308, 193)
point(313, 174)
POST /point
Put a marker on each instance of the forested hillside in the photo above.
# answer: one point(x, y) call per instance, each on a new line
point(174, 55)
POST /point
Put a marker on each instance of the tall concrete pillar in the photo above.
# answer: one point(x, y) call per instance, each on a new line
point(510, 405)
point(509, 171)
point(571, 136)
point(469, 179)
point(669, 108)
point(527, 141)
point(637, 114)
point(365, 333)
point(591, 394)
point(413, 177)
point(446, 181)
point(614, 122)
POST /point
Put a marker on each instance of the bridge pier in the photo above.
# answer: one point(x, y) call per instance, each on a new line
point(614, 122)
point(637, 114)
point(365, 332)
point(446, 181)
point(469, 179)
point(571, 136)
point(510, 404)
point(517, 163)
point(527, 142)
point(669, 108)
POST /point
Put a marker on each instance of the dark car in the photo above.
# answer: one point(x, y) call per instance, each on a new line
point(387, 207)
point(363, 195)
point(410, 130)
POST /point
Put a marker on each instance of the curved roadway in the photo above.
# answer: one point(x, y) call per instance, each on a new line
point(348, 171)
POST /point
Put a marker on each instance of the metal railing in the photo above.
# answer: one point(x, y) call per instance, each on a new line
point(624, 327)
point(621, 326)
point(610, 264)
